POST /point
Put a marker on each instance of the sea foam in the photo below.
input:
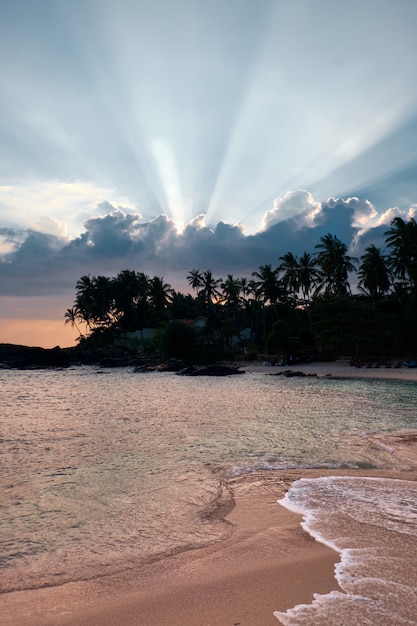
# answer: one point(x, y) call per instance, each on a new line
point(372, 523)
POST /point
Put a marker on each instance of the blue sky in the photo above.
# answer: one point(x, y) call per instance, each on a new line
point(168, 136)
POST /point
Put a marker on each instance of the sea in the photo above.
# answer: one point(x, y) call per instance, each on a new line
point(103, 469)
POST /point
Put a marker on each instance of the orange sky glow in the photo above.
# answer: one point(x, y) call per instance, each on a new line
point(43, 333)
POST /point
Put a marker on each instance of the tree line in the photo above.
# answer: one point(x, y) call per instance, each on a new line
point(303, 305)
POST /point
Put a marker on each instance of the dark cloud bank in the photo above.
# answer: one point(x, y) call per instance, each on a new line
point(42, 264)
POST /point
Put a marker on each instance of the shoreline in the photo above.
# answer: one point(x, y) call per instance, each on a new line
point(240, 580)
point(268, 563)
point(333, 369)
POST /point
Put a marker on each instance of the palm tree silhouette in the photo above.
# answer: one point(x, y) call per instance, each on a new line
point(73, 315)
point(210, 288)
point(160, 296)
point(308, 274)
point(195, 280)
point(291, 276)
point(402, 239)
point(335, 265)
point(374, 273)
point(268, 286)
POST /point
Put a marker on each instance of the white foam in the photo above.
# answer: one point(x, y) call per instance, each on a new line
point(372, 523)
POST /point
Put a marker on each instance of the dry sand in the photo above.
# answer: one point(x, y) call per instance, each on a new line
point(267, 564)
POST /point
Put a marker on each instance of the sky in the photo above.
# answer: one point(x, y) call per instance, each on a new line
point(168, 136)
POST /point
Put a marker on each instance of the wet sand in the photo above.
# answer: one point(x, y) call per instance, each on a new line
point(267, 564)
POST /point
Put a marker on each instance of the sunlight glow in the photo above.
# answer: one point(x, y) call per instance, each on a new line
point(50, 200)
point(140, 109)
point(298, 130)
point(176, 206)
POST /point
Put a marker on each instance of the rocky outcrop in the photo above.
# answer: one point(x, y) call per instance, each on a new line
point(171, 365)
point(210, 370)
point(25, 357)
point(293, 374)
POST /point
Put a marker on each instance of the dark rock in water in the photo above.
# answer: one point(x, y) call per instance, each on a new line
point(142, 369)
point(293, 374)
point(210, 370)
point(172, 365)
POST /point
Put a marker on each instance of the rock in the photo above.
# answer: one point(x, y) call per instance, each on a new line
point(172, 365)
point(145, 365)
point(25, 357)
point(293, 374)
point(209, 370)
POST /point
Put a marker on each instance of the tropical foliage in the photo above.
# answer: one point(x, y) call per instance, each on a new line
point(323, 302)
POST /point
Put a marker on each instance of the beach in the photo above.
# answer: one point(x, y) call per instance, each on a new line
point(267, 562)
point(340, 369)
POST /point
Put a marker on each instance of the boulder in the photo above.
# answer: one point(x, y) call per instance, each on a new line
point(210, 370)
point(293, 374)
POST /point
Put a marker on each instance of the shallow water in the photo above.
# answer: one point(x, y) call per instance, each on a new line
point(102, 469)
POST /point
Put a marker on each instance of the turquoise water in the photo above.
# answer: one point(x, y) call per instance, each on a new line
point(100, 469)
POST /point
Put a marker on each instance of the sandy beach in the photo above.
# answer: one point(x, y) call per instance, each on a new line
point(340, 369)
point(268, 563)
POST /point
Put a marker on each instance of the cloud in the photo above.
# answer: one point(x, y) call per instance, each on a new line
point(295, 203)
point(10, 239)
point(38, 262)
point(42, 205)
point(47, 224)
point(387, 217)
point(110, 234)
point(375, 232)
point(362, 210)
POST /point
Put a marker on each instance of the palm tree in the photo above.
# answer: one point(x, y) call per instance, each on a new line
point(251, 302)
point(160, 296)
point(402, 239)
point(231, 289)
point(251, 289)
point(308, 273)
point(184, 306)
point(268, 286)
point(73, 315)
point(291, 275)
point(335, 265)
point(209, 288)
point(244, 287)
point(195, 280)
point(84, 299)
point(130, 298)
point(374, 274)
point(103, 309)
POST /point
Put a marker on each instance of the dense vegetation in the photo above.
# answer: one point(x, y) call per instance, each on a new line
point(322, 304)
